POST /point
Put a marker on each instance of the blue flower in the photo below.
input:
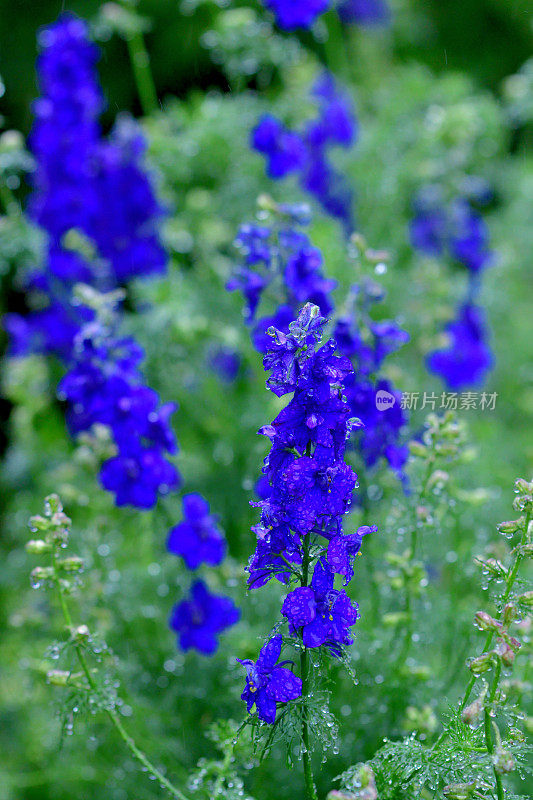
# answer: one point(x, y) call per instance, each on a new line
point(343, 548)
point(307, 152)
point(201, 617)
point(321, 613)
point(137, 477)
point(268, 682)
point(284, 149)
point(225, 362)
point(455, 228)
point(82, 182)
point(104, 385)
point(469, 241)
point(467, 358)
point(197, 538)
point(291, 14)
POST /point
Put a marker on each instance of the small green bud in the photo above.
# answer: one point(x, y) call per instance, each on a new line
point(52, 504)
point(71, 564)
point(526, 599)
point(509, 613)
point(459, 791)
point(41, 574)
point(38, 523)
point(395, 618)
point(37, 546)
point(58, 677)
point(523, 487)
point(473, 713)
point(485, 622)
point(503, 760)
point(511, 526)
point(481, 663)
point(418, 449)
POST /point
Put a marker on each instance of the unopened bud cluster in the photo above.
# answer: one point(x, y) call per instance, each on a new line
point(53, 528)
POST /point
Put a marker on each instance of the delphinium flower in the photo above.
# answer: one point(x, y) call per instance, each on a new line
point(85, 184)
point(368, 343)
point(225, 362)
point(293, 14)
point(104, 386)
point(458, 230)
point(199, 618)
point(269, 682)
point(305, 153)
point(279, 263)
point(467, 358)
point(455, 228)
point(300, 537)
point(197, 539)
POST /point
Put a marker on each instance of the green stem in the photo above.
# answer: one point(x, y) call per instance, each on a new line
point(487, 726)
point(511, 578)
point(335, 53)
point(140, 62)
point(304, 674)
point(113, 717)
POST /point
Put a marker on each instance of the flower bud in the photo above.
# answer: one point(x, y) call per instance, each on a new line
point(81, 632)
point(473, 713)
point(38, 523)
point(506, 653)
point(418, 449)
point(395, 618)
point(485, 622)
point(523, 487)
point(52, 504)
point(459, 791)
point(57, 677)
point(526, 599)
point(71, 564)
point(41, 574)
point(503, 760)
point(509, 613)
point(481, 663)
point(37, 546)
point(510, 527)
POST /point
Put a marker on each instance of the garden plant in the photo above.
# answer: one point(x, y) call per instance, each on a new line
point(308, 220)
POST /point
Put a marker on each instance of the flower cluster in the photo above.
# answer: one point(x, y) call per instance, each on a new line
point(292, 14)
point(455, 228)
point(306, 153)
point(202, 615)
point(308, 489)
point(105, 386)
point(95, 192)
point(279, 259)
point(368, 343)
point(458, 230)
point(83, 183)
point(467, 358)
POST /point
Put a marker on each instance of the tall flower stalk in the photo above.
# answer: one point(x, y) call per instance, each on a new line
point(300, 539)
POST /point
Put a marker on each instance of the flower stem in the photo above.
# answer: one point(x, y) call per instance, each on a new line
point(113, 717)
point(487, 727)
point(140, 62)
point(304, 674)
point(510, 580)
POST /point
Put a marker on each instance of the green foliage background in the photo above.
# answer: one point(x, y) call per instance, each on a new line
point(439, 96)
